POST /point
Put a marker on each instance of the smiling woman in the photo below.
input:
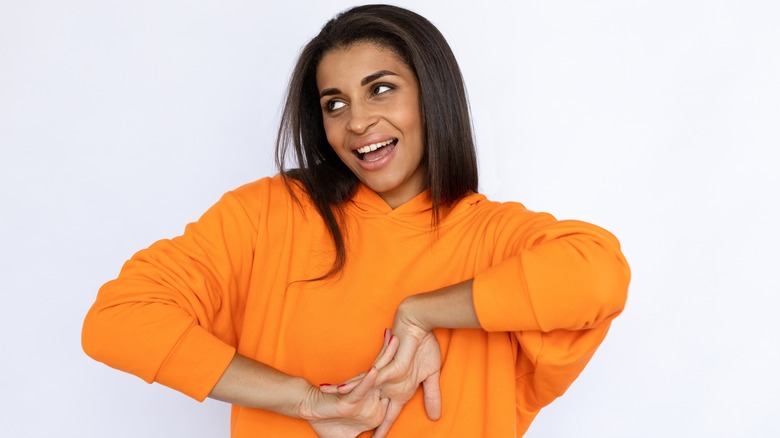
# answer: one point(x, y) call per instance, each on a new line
point(371, 115)
point(488, 311)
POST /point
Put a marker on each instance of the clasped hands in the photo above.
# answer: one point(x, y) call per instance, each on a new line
point(410, 356)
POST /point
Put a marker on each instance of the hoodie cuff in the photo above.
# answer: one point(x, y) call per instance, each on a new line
point(501, 298)
point(196, 363)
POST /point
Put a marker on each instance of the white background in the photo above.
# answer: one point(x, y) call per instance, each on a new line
point(659, 120)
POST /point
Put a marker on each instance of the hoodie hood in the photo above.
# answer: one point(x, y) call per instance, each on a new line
point(416, 212)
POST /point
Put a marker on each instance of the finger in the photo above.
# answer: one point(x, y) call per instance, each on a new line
point(401, 362)
point(347, 387)
point(385, 402)
point(393, 410)
point(382, 412)
point(385, 340)
point(365, 385)
point(432, 396)
point(388, 352)
point(327, 388)
point(343, 388)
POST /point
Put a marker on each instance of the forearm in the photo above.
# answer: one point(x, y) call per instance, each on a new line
point(247, 382)
point(448, 307)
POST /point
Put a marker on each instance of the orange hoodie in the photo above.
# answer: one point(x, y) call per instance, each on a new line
point(545, 292)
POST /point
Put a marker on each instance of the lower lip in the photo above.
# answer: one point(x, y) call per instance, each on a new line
point(380, 163)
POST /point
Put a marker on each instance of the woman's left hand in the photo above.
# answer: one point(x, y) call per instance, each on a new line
point(418, 360)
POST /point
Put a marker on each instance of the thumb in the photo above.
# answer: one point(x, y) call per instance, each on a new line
point(432, 396)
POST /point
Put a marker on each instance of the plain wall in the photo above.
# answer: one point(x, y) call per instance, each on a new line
point(122, 121)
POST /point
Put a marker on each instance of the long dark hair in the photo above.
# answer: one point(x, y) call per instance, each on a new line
point(450, 157)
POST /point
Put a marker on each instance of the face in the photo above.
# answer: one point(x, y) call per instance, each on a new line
point(371, 113)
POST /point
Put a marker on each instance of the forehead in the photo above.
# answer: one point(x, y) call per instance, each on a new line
point(355, 61)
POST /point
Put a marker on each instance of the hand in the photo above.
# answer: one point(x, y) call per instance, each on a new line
point(346, 415)
point(418, 360)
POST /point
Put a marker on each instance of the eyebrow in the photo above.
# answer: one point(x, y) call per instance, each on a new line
point(366, 80)
point(374, 76)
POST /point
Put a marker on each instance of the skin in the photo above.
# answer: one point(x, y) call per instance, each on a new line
point(368, 95)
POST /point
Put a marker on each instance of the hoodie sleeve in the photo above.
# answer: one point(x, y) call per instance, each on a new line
point(167, 317)
point(557, 285)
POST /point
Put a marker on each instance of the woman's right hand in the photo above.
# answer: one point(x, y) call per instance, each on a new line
point(334, 415)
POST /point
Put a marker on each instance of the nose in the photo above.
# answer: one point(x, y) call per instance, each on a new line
point(361, 118)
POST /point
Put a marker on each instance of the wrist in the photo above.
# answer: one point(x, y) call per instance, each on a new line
point(411, 312)
point(304, 400)
point(448, 307)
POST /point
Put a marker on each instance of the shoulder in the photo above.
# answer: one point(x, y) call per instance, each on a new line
point(505, 225)
point(514, 222)
point(496, 213)
point(263, 187)
point(268, 191)
point(271, 201)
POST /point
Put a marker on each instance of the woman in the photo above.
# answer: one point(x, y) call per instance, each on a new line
point(287, 282)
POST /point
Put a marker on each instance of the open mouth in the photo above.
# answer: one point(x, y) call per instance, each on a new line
point(376, 151)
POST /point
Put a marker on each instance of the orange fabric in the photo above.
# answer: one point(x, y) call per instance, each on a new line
point(545, 292)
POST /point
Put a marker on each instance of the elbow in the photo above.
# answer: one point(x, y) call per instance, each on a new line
point(587, 295)
point(611, 294)
point(102, 338)
point(106, 338)
point(93, 335)
point(604, 276)
point(576, 280)
point(606, 290)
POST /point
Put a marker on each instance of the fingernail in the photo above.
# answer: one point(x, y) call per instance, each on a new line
point(391, 339)
point(384, 335)
point(342, 385)
point(324, 384)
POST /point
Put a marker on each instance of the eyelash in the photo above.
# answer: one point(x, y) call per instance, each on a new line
point(329, 104)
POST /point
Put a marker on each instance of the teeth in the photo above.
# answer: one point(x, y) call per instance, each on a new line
point(374, 146)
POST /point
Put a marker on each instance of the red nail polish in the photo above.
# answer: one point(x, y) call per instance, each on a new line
point(384, 335)
point(324, 384)
point(342, 385)
point(391, 339)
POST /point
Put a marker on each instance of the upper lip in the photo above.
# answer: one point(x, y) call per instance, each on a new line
point(369, 139)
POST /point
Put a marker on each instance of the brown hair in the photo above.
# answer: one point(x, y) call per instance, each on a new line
point(449, 158)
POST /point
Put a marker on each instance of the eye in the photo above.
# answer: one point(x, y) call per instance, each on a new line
point(382, 88)
point(333, 105)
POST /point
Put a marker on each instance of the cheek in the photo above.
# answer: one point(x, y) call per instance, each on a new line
point(331, 132)
point(412, 122)
point(411, 114)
